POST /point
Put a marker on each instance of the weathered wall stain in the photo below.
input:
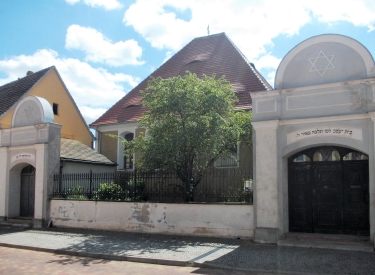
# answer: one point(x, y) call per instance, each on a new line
point(203, 231)
point(140, 212)
point(67, 211)
point(164, 218)
point(203, 220)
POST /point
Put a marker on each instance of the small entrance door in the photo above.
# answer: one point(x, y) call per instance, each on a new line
point(329, 192)
point(27, 191)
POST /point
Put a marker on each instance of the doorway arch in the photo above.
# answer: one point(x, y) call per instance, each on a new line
point(27, 194)
point(328, 189)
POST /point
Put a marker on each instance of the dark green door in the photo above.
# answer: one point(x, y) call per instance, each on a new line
point(27, 192)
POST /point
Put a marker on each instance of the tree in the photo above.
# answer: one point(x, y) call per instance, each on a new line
point(190, 122)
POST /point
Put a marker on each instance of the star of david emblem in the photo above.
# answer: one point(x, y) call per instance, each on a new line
point(29, 112)
point(321, 63)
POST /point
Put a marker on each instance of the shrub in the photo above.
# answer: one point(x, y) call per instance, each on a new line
point(110, 191)
point(137, 190)
point(76, 193)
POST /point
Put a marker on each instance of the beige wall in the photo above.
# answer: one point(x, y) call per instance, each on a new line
point(108, 145)
point(183, 219)
point(76, 167)
point(246, 157)
point(52, 89)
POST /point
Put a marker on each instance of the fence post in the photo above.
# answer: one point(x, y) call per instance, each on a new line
point(59, 182)
point(90, 193)
point(135, 184)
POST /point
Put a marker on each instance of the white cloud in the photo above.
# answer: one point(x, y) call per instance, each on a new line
point(72, 2)
point(168, 55)
point(106, 4)
point(250, 24)
point(100, 49)
point(94, 90)
point(271, 78)
point(91, 114)
point(267, 61)
point(359, 13)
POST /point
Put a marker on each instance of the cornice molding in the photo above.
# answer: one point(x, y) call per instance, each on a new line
point(325, 119)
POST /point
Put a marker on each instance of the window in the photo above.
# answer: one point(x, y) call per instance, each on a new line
point(128, 161)
point(228, 161)
point(302, 158)
point(355, 156)
point(326, 154)
point(55, 108)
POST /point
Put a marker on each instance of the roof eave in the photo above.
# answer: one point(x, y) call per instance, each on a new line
point(88, 161)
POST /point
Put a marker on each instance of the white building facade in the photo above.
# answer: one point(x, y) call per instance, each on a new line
point(314, 142)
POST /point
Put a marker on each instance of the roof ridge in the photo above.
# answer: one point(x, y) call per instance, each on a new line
point(224, 59)
point(210, 35)
point(255, 71)
point(22, 78)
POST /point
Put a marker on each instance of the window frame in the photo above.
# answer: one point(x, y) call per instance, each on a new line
point(219, 161)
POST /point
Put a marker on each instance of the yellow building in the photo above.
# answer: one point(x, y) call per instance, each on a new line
point(47, 84)
point(76, 153)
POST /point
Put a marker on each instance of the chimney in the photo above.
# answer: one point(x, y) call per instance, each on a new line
point(29, 73)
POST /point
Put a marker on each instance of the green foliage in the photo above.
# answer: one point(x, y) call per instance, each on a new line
point(237, 195)
point(76, 193)
point(190, 122)
point(109, 191)
point(138, 190)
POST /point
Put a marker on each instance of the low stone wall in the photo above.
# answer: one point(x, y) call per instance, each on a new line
point(184, 219)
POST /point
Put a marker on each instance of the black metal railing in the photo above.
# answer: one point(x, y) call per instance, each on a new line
point(216, 186)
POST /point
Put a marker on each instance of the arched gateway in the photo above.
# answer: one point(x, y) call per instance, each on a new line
point(314, 142)
point(29, 156)
point(328, 191)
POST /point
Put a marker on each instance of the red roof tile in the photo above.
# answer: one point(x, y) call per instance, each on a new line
point(208, 55)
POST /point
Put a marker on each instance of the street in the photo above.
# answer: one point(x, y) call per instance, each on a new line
point(19, 262)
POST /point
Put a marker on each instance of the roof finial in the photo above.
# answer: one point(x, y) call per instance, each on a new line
point(208, 30)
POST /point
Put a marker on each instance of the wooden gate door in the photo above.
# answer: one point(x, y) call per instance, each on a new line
point(356, 197)
point(300, 197)
point(327, 197)
point(329, 191)
point(27, 192)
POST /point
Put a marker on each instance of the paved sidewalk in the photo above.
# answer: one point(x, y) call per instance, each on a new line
point(191, 251)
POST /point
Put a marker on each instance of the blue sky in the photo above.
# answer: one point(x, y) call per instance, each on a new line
point(103, 48)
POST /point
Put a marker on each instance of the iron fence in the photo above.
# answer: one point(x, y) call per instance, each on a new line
point(216, 186)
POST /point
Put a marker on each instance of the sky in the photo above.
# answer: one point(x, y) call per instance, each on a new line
point(104, 48)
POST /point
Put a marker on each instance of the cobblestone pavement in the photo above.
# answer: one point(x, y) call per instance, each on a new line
point(230, 254)
point(22, 262)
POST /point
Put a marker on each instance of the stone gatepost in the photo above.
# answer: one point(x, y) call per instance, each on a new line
point(266, 181)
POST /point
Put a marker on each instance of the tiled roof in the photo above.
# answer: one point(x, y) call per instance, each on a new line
point(208, 55)
point(12, 92)
point(73, 150)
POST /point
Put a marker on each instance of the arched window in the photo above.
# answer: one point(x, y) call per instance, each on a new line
point(29, 169)
point(128, 161)
point(228, 161)
point(302, 158)
point(326, 154)
point(355, 156)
